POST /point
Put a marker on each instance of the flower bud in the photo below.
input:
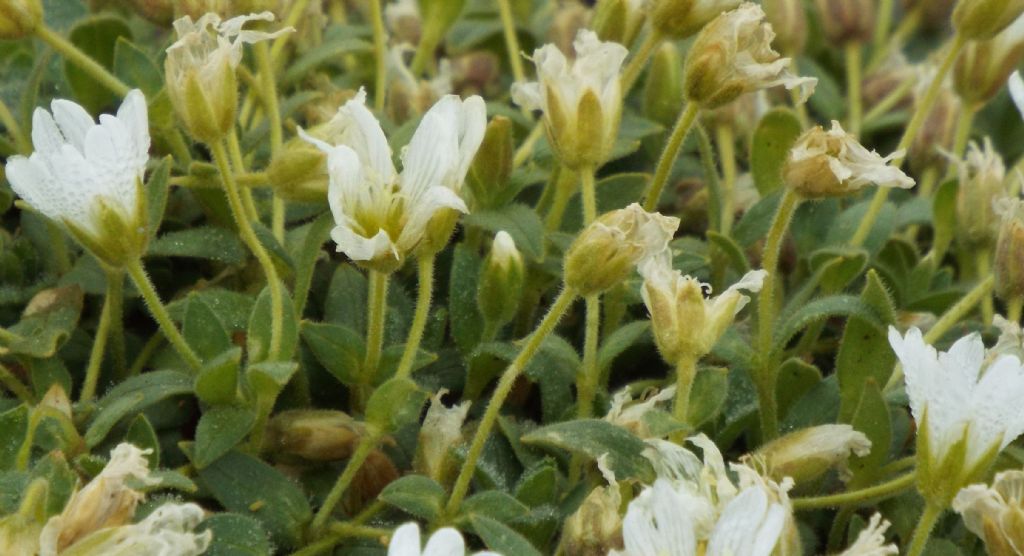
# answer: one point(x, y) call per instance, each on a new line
point(606, 251)
point(732, 55)
point(679, 19)
point(996, 513)
point(983, 19)
point(313, 435)
point(939, 128)
point(982, 67)
point(440, 433)
point(663, 89)
point(789, 21)
point(1009, 256)
point(19, 18)
point(404, 21)
point(489, 174)
point(476, 73)
point(846, 21)
point(299, 172)
point(618, 20)
point(982, 182)
point(807, 454)
point(581, 100)
point(501, 281)
point(832, 164)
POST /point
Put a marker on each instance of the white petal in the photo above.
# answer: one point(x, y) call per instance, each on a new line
point(360, 131)
point(432, 153)
point(1016, 86)
point(445, 542)
point(360, 248)
point(134, 115)
point(423, 209)
point(73, 121)
point(46, 136)
point(405, 541)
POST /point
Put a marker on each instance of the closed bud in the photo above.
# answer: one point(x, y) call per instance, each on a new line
point(983, 19)
point(606, 252)
point(982, 182)
point(938, 131)
point(19, 18)
point(846, 21)
point(982, 67)
point(995, 514)
point(581, 100)
point(489, 174)
point(501, 281)
point(807, 454)
point(663, 90)
point(618, 20)
point(679, 19)
point(313, 435)
point(299, 172)
point(440, 433)
point(1009, 256)
point(789, 21)
point(732, 55)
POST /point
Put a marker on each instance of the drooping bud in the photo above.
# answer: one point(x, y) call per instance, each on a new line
point(581, 100)
point(679, 19)
point(19, 18)
point(440, 433)
point(663, 90)
point(1009, 255)
point(732, 55)
point(938, 131)
point(595, 529)
point(982, 67)
point(501, 281)
point(313, 435)
point(789, 21)
point(618, 20)
point(807, 454)
point(982, 183)
point(833, 163)
point(606, 252)
point(982, 19)
point(846, 21)
point(996, 513)
point(489, 174)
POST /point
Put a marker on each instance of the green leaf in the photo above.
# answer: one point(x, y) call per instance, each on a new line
point(49, 319)
point(864, 353)
point(306, 245)
point(733, 252)
point(260, 324)
point(233, 308)
point(220, 428)
point(96, 37)
point(268, 378)
point(204, 242)
point(394, 404)
point(611, 193)
point(495, 504)
point(520, 221)
point(754, 224)
point(203, 330)
point(538, 486)
point(828, 101)
point(136, 68)
point(142, 434)
point(622, 339)
point(60, 480)
point(416, 495)
point(217, 381)
point(236, 535)
point(282, 260)
point(821, 309)
point(246, 485)
point(707, 399)
point(132, 396)
point(156, 195)
point(500, 537)
point(944, 216)
point(594, 438)
point(467, 323)
point(13, 428)
point(337, 347)
point(773, 138)
point(796, 378)
point(328, 51)
point(346, 298)
point(871, 417)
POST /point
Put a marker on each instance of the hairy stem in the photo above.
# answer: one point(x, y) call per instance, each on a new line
point(159, 312)
point(669, 155)
point(419, 320)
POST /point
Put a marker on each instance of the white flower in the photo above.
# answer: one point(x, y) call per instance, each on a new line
point(751, 524)
point(1011, 338)
point(106, 501)
point(581, 100)
point(833, 163)
point(732, 55)
point(444, 542)
point(168, 531)
point(996, 513)
point(981, 183)
point(441, 431)
point(659, 522)
point(83, 173)
point(871, 540)
point(504, 252)
point(596, 526)
point(684, 322)
point(965, 410)
point(382, 215)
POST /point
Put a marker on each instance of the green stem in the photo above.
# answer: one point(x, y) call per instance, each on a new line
point(99, 344)
point(71, 53)
point(565, 186)
point(238, 161)
point(882, 107)
point(362, 451)
point(669, 155)
point(419, 319)
point(588, 194)
point(589, 373)
point(245, 229)
point(526, 148)
point(929, 518)
point(21, 141)
point(273, 110)
point(686, 372)
point(868, 495)
point(853, 81)
point(1013, 309)
point(115, 298)
point(908, 24)
point(376, 311)
point(920, 113)
point(766, 306)
point(159, 312)
point(983, 261)
point(508, 25)
point(636, 65)
point(727, 155)
point(883, 23)
point(145, 354)
point(379, 55)
point(16, 387)
point(501, 392)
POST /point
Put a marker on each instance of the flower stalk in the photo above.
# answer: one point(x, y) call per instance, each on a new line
point(425, 275)
point(159, 312)
point(669, 155)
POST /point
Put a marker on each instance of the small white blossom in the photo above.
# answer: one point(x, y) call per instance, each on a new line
point(382, 215)
point(444, 542)
point(659, 521)
point(441, 431)
point(168, 531)
point(996, 513)
point(751, 524)
point(504, 252)
point(871, 540)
